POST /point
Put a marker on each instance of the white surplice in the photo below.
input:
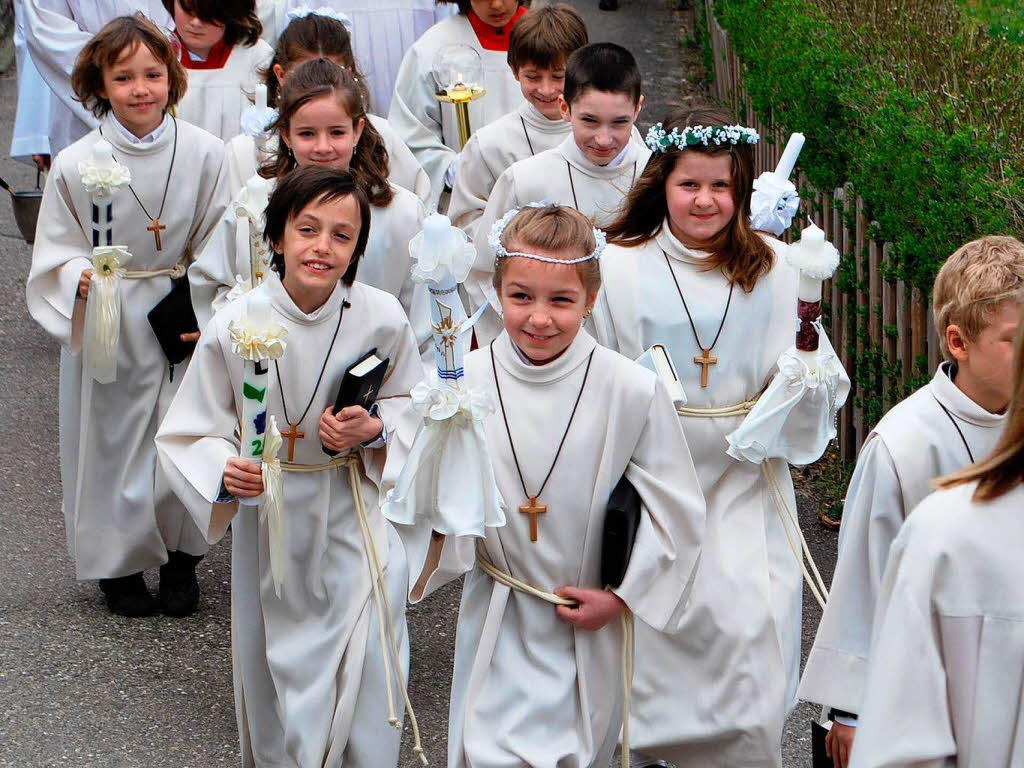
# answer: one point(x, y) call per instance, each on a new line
point(31, 134)
point(120, 516)
point(563, 176)
point(947, 656)
point(717, 692)
point(491, 150)
point(55, 32)
point(529, 689)
point(385, 264)
point(308, 666)
point(429, 127)
point(216, 97)
point(914, 443)
point(244, 157)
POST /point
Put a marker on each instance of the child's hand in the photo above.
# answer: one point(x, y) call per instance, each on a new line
point(83, 283)
point(839, 742)
point(187, 337)
point(352, 426)
point(243, 479)
point(594, 609)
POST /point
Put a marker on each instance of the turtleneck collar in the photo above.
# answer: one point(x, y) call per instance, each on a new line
point(535, 120)
point(509, 359)
point(149, 138)
point(959, 404)
point(284, 304)
point(164, 136)
point(629, 163)
point(675, 249)
point(493, 38)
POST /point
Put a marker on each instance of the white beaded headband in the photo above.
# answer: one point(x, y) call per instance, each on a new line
point(692, 135)
point(500, 252)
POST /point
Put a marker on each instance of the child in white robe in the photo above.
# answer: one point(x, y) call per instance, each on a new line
point(317, 36)
point(944, 426)
point(322, 121)
point(310, 662)
point(537, 682)
point(30, 137)
point(592, 169)
point(945, 673)
point(223, 54)
point(56, 31)
point(539, 47)
point(687, 272)
point(121, 518)
point(427, 126)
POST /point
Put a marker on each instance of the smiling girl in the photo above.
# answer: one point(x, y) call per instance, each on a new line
point(310, 676)
point(322, 122)
point(120, 517)
point(687, 272)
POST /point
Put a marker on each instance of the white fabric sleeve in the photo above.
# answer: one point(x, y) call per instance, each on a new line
point(224, 256)
point(471, 189)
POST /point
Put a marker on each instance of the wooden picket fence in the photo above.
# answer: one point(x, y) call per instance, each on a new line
point(890, 316)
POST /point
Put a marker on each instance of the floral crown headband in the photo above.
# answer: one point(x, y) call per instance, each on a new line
point(500, 252)
point(692, 135)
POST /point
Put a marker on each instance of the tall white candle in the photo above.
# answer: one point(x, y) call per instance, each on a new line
point(261, 96)
point(789, 156)
point(813, 239)
point(256, 191)
point(255, 383)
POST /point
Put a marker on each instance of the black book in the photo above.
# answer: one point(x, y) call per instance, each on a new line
point(621, 521)
point(819, 757)
point(171, 317)
point(360, 384)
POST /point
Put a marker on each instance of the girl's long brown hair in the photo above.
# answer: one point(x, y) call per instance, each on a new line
point(1002, 469)
point(742, 255)
point(313, 80)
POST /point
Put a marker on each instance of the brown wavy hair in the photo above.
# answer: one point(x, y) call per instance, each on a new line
point(1003, 469)
point(313, 80)
point(742, 255)
point(107, 46)
point(312, 37)
point(241, 24)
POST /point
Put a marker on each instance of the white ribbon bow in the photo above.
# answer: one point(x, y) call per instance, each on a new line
point(271, 503)
point(103, 312)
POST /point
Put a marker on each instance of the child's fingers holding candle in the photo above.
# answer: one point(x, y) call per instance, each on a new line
point(83, 283)
point(243, 478)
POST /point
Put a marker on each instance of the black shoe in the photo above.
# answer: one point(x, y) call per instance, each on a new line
point(179, 590)
point(128, 596)
point(608, 5)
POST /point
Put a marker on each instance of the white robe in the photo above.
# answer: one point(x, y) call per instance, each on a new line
point(564, 176)
point(947, 655)
point(429, 127)
point(382, 31)
point(494, 148)
point(385, 264)
point(309, 681)
point(913, 444)
point(31, 134)
point(56, 31)
point(120, 516)
point(529, 689)
point(215, 98)
point(244, 157)
point(717, 692)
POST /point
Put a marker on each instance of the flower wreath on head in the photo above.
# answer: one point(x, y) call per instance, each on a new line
point(500, 252)
point(692, 135)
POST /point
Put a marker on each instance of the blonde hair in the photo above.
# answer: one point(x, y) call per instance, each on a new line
point(556, 229)
point(973, 282)
point(1002, 469)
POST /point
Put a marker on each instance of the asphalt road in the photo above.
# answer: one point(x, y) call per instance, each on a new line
point(81, 687)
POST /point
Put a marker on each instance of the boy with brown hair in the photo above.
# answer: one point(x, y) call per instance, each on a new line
point(539, 48)
point(946, 425)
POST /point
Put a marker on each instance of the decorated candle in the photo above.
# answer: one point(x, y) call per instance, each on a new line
point(257, 198)
point(103, 177)
point(261, 96)
point(817, 260)
point(789, 156)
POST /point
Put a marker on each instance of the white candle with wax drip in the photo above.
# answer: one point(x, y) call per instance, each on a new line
point(789, 156)
point(257, 198)
point(816, 259)
point(261, 96)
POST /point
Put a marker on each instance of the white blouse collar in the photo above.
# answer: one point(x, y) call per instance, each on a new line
point(509, 359)
point(284, 304)
point(959, 404)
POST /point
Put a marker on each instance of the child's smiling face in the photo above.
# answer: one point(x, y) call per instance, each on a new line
point(199, 36)
point(136, 85)
point(321, 132)
point(541, 87)
point(602, 123)
point(699, 197)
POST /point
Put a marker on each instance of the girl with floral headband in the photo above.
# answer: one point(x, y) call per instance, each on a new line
point(539, 659)
point(686, 271)
point(313, 35)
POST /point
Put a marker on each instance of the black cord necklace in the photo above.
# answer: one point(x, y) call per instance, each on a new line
point(156, 226)
point(526, 133)
point(572, 186)
point(956, 426)
point(533, 508)
point(293, 433)
point(704, 359)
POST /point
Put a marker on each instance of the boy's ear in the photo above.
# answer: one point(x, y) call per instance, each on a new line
point(278, 73)
point(639, 106)
point(956, 343)
point(565, 108)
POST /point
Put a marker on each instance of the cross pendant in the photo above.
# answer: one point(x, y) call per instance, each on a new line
point(533, 509)
point(704, 360)
point(292, 434)
point(155, 228)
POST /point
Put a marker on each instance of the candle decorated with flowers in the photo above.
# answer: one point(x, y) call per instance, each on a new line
point(257, 192)
point(103, 177)
point(817, 259)
point(257, 338)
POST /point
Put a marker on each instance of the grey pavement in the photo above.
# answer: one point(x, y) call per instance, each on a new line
point(79, 687)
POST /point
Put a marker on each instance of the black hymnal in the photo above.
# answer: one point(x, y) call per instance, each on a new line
point(171, 317)
point(360, 384)
point(819, 756)
point(621, 521)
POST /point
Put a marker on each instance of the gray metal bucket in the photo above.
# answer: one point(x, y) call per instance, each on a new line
point(26, 212)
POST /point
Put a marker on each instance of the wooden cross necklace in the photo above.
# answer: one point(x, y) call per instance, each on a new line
point(532, 508)
point(292, 433)
point(704, 359)
point(156, 226)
